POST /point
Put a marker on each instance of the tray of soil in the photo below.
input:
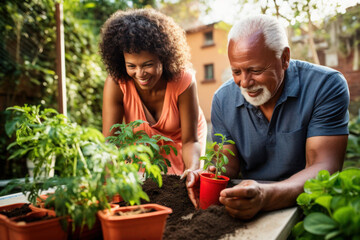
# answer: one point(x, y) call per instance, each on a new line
point(186, 222)
point(15, 210)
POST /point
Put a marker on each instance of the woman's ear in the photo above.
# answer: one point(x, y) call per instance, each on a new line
point(285, 58)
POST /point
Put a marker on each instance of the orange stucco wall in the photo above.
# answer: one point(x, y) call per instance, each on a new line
point(215, 54)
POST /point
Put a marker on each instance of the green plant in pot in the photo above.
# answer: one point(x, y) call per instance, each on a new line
point(211, 184)
point(88, 171)
point(129, 222)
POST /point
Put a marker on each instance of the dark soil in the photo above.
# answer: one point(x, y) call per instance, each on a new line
point(24, 209)
point(212, 223)
point(33, 218)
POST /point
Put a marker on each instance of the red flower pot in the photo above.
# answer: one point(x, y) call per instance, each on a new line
point(210, 189)
point(148, 225)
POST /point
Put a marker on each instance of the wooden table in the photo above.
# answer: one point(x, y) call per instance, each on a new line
point(275, 225)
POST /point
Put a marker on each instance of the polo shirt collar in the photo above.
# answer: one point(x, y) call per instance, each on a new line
point(291, 88)
point(239, 98)
point(292, 82)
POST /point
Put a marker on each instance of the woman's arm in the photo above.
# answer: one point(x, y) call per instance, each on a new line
point(189, 112)
point(113, 108)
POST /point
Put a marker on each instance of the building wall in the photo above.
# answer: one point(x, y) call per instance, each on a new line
point(217, 55)
point(201, 55)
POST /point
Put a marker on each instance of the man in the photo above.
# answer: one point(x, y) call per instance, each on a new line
point(288, 119)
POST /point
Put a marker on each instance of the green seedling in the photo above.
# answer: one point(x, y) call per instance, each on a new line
point(217, 157)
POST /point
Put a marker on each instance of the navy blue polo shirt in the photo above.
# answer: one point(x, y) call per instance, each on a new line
point(314, 102)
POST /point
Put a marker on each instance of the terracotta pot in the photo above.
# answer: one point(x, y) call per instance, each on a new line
point(148, 225)
point(18, 229)
point(4, 219)
point(210, 189)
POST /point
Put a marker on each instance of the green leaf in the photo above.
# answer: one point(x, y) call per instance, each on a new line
point(324, 201)
point(298, 229)
point(303, 199)
point(319, 223)
point(344, 215)
point(323, 175)
point(332, 234)
point(231, 152)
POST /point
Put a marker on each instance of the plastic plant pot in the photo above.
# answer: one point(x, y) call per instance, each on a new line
point(149, 225)
point(20, 229)
point(210, 189)
point(3, 219)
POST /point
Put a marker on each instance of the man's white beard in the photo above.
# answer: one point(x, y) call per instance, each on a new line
point(264, 97)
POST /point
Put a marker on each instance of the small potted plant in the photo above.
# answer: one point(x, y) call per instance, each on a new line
point(211, 184)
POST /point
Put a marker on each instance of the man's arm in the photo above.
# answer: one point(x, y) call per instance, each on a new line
point(249, 197)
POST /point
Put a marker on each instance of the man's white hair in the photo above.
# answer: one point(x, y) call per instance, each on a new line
point(274, 33)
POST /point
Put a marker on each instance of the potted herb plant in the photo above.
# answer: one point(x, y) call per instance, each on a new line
point(211, 184)
point(88, 170)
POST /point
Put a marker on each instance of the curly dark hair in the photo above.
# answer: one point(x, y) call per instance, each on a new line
point(133, 31)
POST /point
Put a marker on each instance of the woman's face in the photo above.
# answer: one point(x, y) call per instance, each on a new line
point(145, 68)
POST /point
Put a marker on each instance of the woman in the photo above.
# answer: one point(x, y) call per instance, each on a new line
point(147, 58)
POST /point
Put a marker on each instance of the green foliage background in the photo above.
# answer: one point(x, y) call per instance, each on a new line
point(28, 61)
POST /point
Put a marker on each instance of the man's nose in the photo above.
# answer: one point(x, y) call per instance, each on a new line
point(246, 80)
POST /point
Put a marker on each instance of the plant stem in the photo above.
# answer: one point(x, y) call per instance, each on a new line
point(38, 119)
point(217, 165)
point(83, 159)
point(74, 166)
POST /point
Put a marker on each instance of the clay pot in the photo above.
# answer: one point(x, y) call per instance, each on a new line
point(3, 219)
point(149, 225)
point(18, 227)
point(210, 189)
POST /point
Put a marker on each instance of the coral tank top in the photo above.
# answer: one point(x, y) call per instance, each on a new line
point(168, 124)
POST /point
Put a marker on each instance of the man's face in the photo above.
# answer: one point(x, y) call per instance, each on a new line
point(256, 70)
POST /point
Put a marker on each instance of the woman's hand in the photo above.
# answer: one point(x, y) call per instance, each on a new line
point(193, 183)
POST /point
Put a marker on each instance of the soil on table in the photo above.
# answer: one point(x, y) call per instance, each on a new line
point(19, 211)
point(33, 218)
point(186, 222)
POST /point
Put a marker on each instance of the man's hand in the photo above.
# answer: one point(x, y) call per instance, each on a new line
point(193, 183)
point(244, 200)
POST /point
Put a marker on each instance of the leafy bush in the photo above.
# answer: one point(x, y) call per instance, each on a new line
point(331, 204)
point(88, 171)
point(126, 136)
point(352, 158)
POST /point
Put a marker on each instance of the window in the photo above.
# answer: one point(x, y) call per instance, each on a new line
point(209, 72)
point(208, 38)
